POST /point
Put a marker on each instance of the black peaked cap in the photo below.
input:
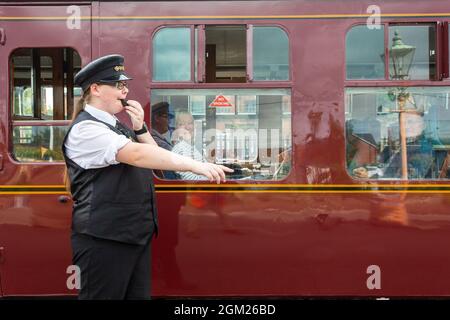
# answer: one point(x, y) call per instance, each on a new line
point(108, 68)
point(160, 107)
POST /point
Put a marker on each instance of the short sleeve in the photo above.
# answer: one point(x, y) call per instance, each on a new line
point(93, 145)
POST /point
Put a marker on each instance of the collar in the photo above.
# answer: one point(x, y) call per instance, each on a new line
point(101, 115)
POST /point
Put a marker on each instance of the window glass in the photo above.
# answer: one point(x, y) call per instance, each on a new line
point(231, 110)
point(246, 105)
point(172, 55)
point(226, 53)
point(43, 92)
point(365, 53)
point(417, 59)
point(23, 104)
point(197, 105)
point(270, 54)
point(38, 143)
point(46, 79)
point(250, 135)
point(386, 127)
point(40, 85)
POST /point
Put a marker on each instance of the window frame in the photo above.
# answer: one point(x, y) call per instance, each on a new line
point(36, 120)
point(286, 31)
point(442, 56)
point(442, 72)
point(390, 179)
point(348, 30)
point(236, 115)
point(198, 45)
point(192, 52)
point(38, 52)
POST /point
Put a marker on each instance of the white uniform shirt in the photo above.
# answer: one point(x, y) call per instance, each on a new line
point(92, 144)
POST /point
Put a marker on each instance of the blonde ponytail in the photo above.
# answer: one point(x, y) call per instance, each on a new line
point(81, 104)
point(76, 111)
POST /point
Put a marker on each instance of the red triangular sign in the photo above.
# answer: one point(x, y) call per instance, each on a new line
point(220, 101)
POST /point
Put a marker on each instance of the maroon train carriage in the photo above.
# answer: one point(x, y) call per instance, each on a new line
point(334, 114)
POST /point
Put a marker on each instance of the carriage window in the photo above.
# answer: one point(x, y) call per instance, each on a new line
point(246, 129)
point(42, 100)
point(365, 53)
point(172, 54)
point(416, 59)
point(398, 133)
point(38, 143)
point(226, 58)
point(270, 54)
point(40, 83)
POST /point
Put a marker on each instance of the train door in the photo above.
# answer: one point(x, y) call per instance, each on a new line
point(41, 47)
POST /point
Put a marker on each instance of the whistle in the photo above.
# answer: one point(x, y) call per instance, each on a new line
point(124, 102)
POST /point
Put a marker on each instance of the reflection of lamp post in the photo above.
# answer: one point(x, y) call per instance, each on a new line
point(401, 102)
point(402, 56)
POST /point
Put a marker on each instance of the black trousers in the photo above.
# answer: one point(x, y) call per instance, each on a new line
point(111, 269)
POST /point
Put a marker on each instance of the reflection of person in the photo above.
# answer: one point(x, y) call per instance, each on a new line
point(419, 154)
point(284, 164)
point(114, 214)
point(183, 138)
point(166, 260)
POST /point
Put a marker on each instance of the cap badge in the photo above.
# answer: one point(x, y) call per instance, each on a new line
point(119, 68)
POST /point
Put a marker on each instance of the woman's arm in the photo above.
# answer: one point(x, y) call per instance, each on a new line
point(153, 157)
point(147, 154)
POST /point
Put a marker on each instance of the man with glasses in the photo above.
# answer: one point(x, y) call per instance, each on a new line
point(160, 125)
point(161, 134)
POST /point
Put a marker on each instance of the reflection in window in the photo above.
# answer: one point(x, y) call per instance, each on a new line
point(38, 143)
point(365, 53)
point(270, 54)
point(253, 137)
point(197, 105)
point(386, 127)
point(23, 101)
point(46, 65)
point(422, 38)
point(231, 110)
point(247, 104)
point(172, 55)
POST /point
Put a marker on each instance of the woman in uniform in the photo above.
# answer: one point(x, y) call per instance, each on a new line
point(109, 170)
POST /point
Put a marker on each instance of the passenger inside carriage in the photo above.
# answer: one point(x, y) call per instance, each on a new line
point(381, 122)
point(424, 160)
point(183, 141)
point(252, 135)
point(161, 119)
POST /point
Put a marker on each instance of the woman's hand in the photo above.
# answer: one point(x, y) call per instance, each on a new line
point(136, 113)
point(212, 171)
